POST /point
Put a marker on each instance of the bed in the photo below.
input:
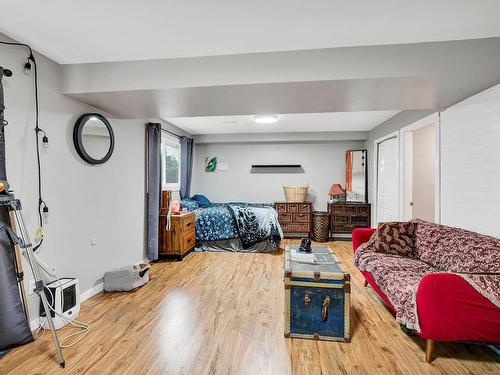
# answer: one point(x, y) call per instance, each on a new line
point(234, 226)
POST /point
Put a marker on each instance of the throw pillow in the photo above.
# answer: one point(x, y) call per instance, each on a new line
point(189, 204)
point(202, 200)
point(396, 238)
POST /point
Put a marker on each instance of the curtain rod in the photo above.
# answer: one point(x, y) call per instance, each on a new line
point(169, 132)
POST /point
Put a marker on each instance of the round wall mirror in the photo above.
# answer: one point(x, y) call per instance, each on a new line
point(93, 138)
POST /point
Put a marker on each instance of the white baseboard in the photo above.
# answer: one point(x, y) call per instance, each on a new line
point(91, 292)
point(34, 324)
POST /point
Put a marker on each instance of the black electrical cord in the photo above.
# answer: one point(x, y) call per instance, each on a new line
point(42, 206)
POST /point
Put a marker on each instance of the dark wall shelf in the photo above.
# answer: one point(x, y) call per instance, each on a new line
point(277, 168)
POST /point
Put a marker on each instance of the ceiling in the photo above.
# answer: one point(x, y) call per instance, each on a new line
point(82, 31)
point(421, 76)
point(208, 66)
point(296, 122)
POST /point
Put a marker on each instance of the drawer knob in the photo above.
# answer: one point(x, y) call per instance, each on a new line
point(306, 300)
point(324, 313)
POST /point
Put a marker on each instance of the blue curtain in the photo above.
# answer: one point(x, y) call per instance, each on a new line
point(153, 188)
point(186, 166)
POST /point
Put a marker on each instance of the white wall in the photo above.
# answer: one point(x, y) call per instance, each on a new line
point(86, 202)
point(424, 160)
point(323, 163)
point(469, 160)
point(470, 163)
point(395, 123)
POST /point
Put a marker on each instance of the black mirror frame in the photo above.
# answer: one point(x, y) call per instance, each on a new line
point(77, 138)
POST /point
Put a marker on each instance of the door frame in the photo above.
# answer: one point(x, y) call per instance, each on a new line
point(434, 118)
point(376, 143)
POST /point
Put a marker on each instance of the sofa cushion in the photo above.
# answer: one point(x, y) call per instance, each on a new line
point(456, 250)
point(396, 238)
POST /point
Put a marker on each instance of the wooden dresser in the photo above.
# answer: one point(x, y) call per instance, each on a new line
point(347, 216)
point(181, 238)
point(295, 218)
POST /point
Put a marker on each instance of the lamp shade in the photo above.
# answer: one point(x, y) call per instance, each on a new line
point(336, 189)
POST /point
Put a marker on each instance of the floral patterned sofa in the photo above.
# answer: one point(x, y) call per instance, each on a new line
point(448, 289)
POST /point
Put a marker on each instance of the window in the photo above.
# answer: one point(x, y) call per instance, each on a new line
point(170, 162)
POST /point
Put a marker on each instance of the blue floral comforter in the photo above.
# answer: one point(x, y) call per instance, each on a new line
point(250, 222)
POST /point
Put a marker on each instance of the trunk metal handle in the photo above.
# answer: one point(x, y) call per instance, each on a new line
point(326, 303)
point(306, 300)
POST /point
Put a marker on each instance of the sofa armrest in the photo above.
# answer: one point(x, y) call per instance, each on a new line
point(450, 309)
point(360, 236)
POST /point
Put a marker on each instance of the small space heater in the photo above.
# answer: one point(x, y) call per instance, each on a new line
point(63, 296)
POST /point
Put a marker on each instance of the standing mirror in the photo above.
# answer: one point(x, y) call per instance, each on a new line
point(356, 176)
point(93, 138)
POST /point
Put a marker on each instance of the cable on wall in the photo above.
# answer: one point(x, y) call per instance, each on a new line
point(42, 206)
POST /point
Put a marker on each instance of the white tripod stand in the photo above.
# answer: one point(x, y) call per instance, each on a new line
point(22, 240)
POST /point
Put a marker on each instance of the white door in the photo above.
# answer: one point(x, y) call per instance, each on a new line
point(424, 171)
point(388, 180)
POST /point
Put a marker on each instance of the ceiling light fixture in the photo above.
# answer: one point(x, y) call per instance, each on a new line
point(266, 119)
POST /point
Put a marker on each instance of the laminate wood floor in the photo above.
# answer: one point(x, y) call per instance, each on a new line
point(222, 313)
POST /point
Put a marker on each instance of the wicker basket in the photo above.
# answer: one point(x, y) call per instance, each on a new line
point(321, 226)
point(296, 194)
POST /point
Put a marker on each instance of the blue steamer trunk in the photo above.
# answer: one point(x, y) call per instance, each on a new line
point(317, 298)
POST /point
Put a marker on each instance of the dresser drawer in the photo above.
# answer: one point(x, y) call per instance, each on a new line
point(280, 207)
point(340, 219)
point(187, 224)
point(296, 228)
point(343, 228)
point(285, 218)
point(292, 207)
point(188, 241)
point(350, 209)
point(360, 220)
point(301, 218)
point(336, 208)
point(363, 210)
point(304, 208)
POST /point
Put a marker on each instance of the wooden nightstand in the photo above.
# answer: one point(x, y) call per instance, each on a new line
point(181, 237)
